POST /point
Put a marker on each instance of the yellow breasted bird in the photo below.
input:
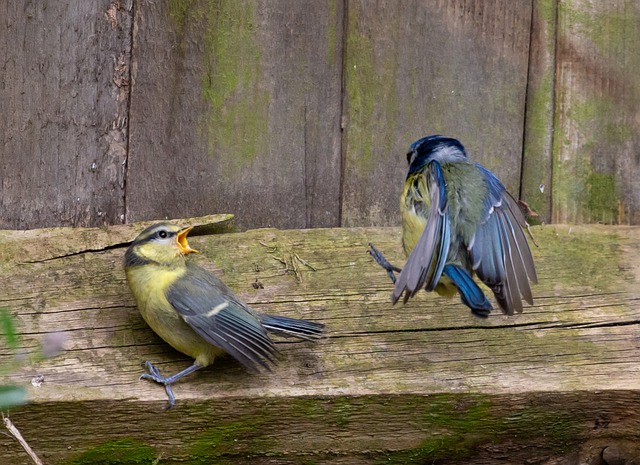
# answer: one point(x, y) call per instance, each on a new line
point(459, 220)
point(194, 311)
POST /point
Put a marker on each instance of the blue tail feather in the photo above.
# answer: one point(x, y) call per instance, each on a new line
point(471, 295)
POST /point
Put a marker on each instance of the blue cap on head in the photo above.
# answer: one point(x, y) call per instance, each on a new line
point(436, 147)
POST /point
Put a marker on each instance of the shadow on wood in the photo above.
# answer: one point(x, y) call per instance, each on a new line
point(404, 384)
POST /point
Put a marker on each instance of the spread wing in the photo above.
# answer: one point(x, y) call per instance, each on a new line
point(426, 262)
point(499, 250)
point(219, 317)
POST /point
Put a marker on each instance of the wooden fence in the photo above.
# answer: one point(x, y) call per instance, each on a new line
point(293, 113)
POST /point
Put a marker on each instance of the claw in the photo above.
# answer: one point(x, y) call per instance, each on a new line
point(383, 262)
point(172, 398)
point(154, 375)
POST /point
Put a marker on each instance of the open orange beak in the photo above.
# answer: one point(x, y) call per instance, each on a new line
point(183, 245)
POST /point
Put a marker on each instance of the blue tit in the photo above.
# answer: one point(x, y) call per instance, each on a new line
point(194, 311)
point(459, 220)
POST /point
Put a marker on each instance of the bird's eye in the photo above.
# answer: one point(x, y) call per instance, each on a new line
point(162, 234)
point(411, 156)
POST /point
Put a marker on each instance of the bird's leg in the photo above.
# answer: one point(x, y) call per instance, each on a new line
point(383, 262)
point(154, 375)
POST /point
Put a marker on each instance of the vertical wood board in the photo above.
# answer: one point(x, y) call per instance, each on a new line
point(235, 107)
point(597, 131)
point(453, 68)
point(63, 124)
point(536, 188)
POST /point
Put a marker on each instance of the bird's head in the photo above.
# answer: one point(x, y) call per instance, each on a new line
point(162, 243)
point(439, 148)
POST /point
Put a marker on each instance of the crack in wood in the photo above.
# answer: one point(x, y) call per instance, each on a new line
point(79, 252)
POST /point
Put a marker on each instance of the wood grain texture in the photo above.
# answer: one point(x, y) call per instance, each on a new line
point(596, 159)
point(63, 124)
point(406, 384)
point(433, 67)
point(235, 107)
point(536, 188)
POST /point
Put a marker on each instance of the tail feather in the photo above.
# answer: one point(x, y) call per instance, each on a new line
point(471, 295)
point(292, 327)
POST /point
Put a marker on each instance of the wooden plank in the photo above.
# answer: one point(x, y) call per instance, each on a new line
point(455, 68)
point(236, 107)
point(63, 124)
point(407, 384)
point(596, 169)
point(536, 188)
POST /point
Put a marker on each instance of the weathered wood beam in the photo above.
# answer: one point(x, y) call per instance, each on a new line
point(404, 384)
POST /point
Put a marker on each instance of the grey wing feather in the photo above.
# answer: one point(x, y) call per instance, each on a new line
point(428, 257)
point(499, 251)
point(219, 317)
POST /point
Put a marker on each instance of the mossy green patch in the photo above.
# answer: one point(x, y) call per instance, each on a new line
point(360, 84)
point(370, 81)
point(597, 120)
point(119, 452)
point(225, 441)
point(602, 200)
point(584, 178)
point(536, 186)
point(236, 126)
point(179, 11)
point(582, 257)
point(339, 412)
point(609, 28)
point(332, 32)
point(603, 112)
point(459, 425)
point(238, 106)
point(547, 11)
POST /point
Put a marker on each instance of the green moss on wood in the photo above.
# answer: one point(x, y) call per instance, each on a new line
point(332, 32)
point(609, 28)
point(360, 86)
point(536, 187)
point(597, 120)
point(222, 442)
point(119, 452)
point(547, 13)
point(571, 255)
point(238, 106)
point(372, 100)
point(179, 12)
point(236, 127)
point(603, 199)
point(459, 426)
point(585, 187)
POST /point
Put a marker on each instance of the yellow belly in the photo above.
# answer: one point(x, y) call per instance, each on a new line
point(148, 284)
point(412, 227)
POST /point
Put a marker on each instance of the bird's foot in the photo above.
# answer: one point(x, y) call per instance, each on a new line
point(383, 262)
point(154, 375)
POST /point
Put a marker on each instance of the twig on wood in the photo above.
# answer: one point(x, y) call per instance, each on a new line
point(270, 247)
point(281, 260)
point(289, 261)
point(16, 434)
point(531, 234)
point(305, 263)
